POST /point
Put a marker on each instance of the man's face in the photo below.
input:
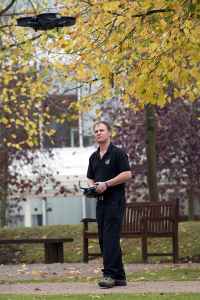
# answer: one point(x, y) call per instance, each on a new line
point(102, 134)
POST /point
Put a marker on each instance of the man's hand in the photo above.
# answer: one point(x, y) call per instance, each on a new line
point(101, 187)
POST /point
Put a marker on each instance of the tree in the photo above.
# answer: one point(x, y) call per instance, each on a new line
point(26, 80)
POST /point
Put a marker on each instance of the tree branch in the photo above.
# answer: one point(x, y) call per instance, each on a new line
point(144, 14)
point(7, 7)
point(153, 11)
point(20, 44)
point(5, 26)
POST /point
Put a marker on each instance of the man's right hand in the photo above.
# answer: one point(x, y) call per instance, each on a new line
point(100, 187)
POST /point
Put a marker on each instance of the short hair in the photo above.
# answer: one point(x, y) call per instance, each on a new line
point(104, 123)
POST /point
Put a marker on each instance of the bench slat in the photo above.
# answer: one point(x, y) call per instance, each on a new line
point(35, 240)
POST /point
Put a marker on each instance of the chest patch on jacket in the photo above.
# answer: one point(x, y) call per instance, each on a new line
point(107, 161)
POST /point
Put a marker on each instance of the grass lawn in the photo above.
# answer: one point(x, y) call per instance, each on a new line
point(105, 297)
point(167, 273)
point(189, 244)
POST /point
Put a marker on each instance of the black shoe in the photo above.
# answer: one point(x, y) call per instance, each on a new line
point(106, 282)
point(120, 282)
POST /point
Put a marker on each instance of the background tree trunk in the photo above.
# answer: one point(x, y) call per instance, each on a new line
point(191, 184)
point(151, 152)
point(190, 203)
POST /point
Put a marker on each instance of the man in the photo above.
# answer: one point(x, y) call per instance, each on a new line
point(108, 170)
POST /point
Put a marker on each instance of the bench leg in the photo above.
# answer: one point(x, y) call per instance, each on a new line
point(54, 252)
point(175, 249)
point(85, 250)
point(144, 249)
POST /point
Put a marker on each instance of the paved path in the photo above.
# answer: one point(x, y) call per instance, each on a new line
point(90, 288)
point(9, 274)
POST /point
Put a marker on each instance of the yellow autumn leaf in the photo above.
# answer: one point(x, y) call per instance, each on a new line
point(104, 70)
point(19, 122)
point(4, 121)
point(30, 143)
point(110, 5)
point(81, 73)
point(51, 132)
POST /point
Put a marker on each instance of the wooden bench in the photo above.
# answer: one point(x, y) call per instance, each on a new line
point(53, 247)
point(143, 220)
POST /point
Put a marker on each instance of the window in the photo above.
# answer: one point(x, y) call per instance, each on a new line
point(37, 220)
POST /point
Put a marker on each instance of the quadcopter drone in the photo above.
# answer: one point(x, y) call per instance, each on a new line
point(46, 21)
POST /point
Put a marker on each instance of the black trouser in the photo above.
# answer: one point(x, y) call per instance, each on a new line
point(109, 216)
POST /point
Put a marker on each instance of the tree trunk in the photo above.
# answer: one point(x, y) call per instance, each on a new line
point(3, 186)
point(3, 202)
point(151, 152)
point(191, 173)
point(190, 195)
